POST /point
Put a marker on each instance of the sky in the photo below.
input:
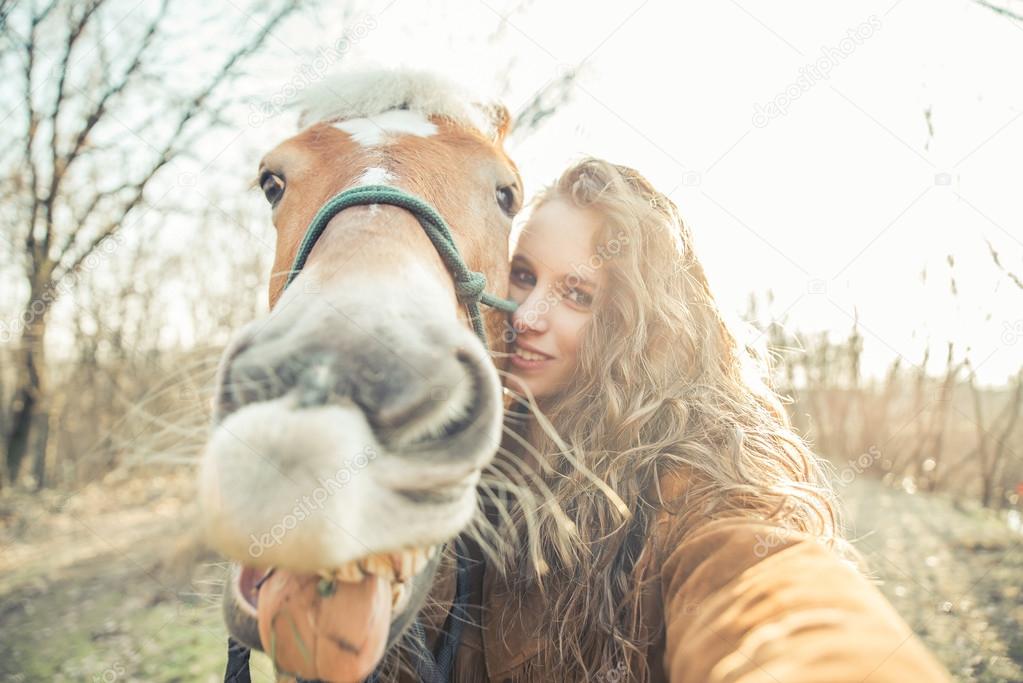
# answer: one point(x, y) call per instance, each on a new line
point(829, 152)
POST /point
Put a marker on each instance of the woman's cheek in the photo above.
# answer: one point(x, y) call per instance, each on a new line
point(573, 333)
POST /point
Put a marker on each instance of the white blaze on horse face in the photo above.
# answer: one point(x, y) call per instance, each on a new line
point(374, 130)
point(375, 176)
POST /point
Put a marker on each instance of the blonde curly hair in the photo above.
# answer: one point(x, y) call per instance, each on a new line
point(662, 383)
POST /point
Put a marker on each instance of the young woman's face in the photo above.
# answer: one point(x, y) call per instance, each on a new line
point(554, 284)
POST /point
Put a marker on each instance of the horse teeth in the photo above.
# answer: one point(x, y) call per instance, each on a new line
point(399, 596)
point(375, 564)
point(407, 561)
point(395, 567)
point(419, 560)
point(350, 572)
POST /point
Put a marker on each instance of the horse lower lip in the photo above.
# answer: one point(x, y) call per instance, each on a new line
point(249, 581)
point(433, 496)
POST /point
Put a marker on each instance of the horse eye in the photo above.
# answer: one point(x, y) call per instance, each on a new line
point(506, 199)
point(273, 187)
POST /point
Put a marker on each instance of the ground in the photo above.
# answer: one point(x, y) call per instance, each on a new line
point(954, 573)
point(109, 584)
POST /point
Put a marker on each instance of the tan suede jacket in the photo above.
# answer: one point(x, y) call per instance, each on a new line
point(737, 600)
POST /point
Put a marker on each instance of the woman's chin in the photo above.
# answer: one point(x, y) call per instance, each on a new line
point(522, 383)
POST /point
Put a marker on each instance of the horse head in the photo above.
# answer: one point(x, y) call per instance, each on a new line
point(352, 423)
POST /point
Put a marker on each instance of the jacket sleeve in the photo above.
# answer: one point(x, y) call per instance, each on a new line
point(746, 601)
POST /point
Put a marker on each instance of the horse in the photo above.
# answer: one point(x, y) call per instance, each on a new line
point(352, 423)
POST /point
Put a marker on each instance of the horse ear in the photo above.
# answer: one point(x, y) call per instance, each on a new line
point(500, 119)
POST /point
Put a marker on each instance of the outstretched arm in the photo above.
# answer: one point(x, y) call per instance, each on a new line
point(747, 601)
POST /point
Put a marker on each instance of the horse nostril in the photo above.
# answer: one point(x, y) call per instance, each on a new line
point(431, 408)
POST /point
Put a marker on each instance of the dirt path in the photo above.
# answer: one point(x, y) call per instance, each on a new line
point(954, 576)
point(107, 585)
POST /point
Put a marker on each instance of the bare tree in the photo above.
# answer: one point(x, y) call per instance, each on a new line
point(993, 439)
point(543, 104)
point(74, 173)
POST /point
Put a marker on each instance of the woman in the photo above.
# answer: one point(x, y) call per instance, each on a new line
point(668, 523)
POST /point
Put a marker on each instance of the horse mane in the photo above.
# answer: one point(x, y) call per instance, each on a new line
point(360, 94)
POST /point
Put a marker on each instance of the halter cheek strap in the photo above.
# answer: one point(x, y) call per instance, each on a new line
point(469, 284)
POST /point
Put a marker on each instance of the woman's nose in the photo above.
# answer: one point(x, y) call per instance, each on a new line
point(531, 315)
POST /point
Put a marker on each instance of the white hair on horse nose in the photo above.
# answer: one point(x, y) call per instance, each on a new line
point(373, 130)
point(375, 176)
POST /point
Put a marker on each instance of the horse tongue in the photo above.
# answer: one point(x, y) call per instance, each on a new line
point(337, 636)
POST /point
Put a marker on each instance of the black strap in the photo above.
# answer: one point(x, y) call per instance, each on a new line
point(237, 663)
point(431, 667)
point(451, 636)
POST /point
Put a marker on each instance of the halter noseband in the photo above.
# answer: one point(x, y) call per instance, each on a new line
point(469, 284)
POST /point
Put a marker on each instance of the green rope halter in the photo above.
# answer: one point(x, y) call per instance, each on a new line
point(469, 284)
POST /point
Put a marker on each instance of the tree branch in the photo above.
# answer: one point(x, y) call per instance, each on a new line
point(30, 134)
point(171, 149)
point(74, 33)
point(998, 262)
point(99, 110)
point(543, 104)
point(1000, 10)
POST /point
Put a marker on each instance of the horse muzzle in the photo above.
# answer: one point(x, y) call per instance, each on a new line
point(343, 430)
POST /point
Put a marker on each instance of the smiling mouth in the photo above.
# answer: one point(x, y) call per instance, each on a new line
point(530, 356)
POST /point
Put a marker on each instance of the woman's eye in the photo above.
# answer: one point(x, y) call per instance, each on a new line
point(272, 186)
point(522, 278)
point(580, 298)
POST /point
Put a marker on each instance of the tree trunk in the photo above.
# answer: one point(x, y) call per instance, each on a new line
point(41, 446)
point(987, 490)
point(29, 385)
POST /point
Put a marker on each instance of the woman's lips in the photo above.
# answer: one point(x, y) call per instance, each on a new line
point(527, 359)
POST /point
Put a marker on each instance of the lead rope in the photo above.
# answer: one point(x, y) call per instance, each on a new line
point(469, 288)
